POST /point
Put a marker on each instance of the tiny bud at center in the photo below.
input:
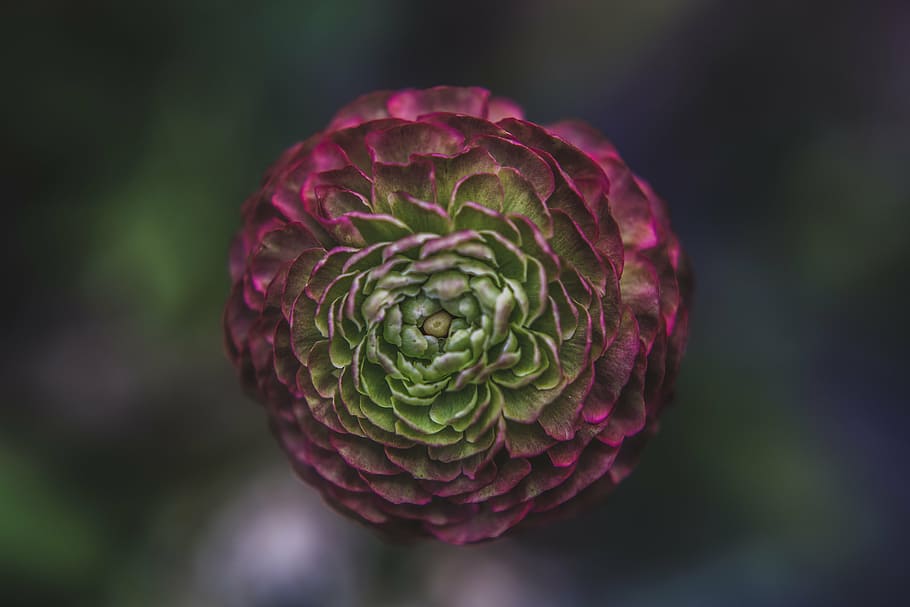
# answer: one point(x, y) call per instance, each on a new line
point(437, 324)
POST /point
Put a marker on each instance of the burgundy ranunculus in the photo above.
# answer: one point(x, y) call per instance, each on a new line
point(457, 320)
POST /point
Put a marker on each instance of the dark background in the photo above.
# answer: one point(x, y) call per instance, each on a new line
point(134, 473)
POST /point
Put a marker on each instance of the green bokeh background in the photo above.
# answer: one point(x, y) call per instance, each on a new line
point(133, 471)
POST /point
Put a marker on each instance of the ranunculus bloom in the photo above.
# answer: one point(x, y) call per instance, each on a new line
point(457, 320)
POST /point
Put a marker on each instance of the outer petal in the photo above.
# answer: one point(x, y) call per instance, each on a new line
point(410, 104)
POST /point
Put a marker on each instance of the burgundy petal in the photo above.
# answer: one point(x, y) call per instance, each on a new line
point(371, 106)
point(410, 104)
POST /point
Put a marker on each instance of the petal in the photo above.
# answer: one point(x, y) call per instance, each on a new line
point(410, 104)
point(419, 216)
point(298, 275)
point(379, 228)
point(451, 406)
point(640, 290)
point(397, 489)
point(371, 106)
point(572, 246)
point(484, 525)
point(481, 188)
point(448, 171)
point(363, 455)
point(474, 216)
point(501, 108)
point(526, 440)
point(612, 370)
point(630, 207)
point(582, 135)
point(417, 463)
point(511, 473)
point(520, 198)
point(417, 179)
point(397, 144)
point(559, 420)
point(629, 415)
point(510, 153)
point(595, 462)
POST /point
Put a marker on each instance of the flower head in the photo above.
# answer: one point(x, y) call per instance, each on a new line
point(457, 320)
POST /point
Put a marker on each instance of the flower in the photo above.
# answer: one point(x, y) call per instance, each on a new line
point(457, 320)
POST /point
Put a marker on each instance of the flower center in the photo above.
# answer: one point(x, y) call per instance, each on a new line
point(437, 324)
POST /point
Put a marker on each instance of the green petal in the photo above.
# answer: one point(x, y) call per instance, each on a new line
point(298, 276)
point(445, 364)
point(376, 304)
point(502, 312)
point(340, 351)
point(571, 245)
point(553, 376)
point(446, 285)
point(461, 449)
point(535, 287)
point(486, 292)
point(528, 164)
point(382, 417)
point(565, 310)
point(385, 436)
point(489, 417)
point(371, 382)
point(420, 466)
point(401, 395)
point(449, 171)
point(415, 309)
point(559, 420)
point(520, 313)
point(520, 198)
point(532, 358)
point(446, 436)
point(526, 440)
point(415, 178)
point(382, 354)
point(535, 245)
point(322, 373)
point(416, 417)
point(526, 404)
point(396, 281)
point(420, 216)
point(391, 326)
point(413, 342)
point(451, 406)
point(303, 332)
point(338, 288)
point(348, 421)
point(348, 392)
point(474, 216)
point(483, 188)
point(480, 408)
point(409, 370)
point(510, 260)
point(365, 258)
point(327, 271)
point(427, 389)
point(574, 353)
point(477, 251)
point(459, 340)
point(379, 228)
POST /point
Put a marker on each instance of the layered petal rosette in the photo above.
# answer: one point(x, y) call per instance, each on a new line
point(457, 320)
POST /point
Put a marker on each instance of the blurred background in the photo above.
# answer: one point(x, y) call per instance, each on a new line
point(133, 472)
